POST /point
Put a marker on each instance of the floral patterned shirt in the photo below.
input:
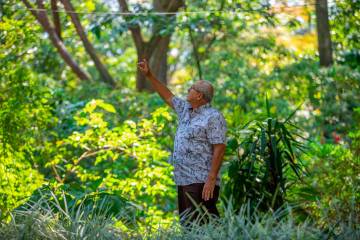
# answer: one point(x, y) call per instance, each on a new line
point(197, 130)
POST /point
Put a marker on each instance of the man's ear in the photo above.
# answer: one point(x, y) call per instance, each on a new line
point(201, 96)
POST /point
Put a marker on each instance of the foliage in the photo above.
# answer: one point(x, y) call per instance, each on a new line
point(18, 180)
point(125, 159)
point(245, 224)
point(88, 146)
point(55, 219)
point(345, 22)
point(25, 114)
point(332, 186)
point(51, 217)
point(24, 100)
point(355, 135)
point(85, 224)
point(330, 93)
point(266, 150)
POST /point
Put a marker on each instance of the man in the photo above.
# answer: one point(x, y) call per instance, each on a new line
point(199, 145)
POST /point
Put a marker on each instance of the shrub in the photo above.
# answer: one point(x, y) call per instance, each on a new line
point(265, 151)
point(331, 188)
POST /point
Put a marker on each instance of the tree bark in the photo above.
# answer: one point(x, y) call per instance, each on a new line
point(42, 18)
point(323, 33)
point(157, 57)
point(158, 60)
point(88, 46)
point(56, 18)
point(156, 49)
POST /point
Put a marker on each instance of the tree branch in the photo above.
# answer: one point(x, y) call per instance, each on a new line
point(57, 176)
point(94, 152)
point(135, 29)
point(42, 18)
point(56, 18)
point(88, 46)
point(195, 51)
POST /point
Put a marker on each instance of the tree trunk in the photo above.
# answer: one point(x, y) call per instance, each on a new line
point(45, 23)
point(88, 46)
point(323, 33)
point(157, 63)
point(158, 60)
point(156, 49)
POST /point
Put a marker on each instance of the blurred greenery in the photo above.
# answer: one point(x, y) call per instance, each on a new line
point(70, 147)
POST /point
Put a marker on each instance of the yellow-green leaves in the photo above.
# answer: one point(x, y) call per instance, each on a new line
point(127, 157)
point(90, 5)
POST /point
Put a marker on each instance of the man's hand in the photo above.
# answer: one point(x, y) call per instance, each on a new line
point(144, 67)
point(158, 86)
point(209, 186)
point(208, 190)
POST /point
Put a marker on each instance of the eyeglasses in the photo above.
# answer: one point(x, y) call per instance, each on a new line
point(204, 95)
point(192, 87)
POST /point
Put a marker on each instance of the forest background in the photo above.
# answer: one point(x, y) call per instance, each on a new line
point(84, 140)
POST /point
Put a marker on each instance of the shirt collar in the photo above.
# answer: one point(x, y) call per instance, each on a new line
point(199, 109)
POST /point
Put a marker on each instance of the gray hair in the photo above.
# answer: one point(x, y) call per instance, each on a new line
point(206, 88)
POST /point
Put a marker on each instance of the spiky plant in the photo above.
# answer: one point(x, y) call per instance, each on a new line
point(54, 217)
point(265, 163)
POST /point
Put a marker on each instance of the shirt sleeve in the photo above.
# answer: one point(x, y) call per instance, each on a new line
point(217, 128)
point(179, 105)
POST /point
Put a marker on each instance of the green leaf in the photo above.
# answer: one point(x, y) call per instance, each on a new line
point(233, 144)
point(262, 142)
point(106, 106)
point(293, 113)
point(267, 105)
point(97, 31)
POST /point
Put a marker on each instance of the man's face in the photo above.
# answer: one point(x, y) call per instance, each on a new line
point(193, 95)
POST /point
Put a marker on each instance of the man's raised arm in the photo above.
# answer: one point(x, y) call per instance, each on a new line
point(158, 86)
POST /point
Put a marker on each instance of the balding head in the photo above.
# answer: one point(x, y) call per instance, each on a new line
point(206, 88)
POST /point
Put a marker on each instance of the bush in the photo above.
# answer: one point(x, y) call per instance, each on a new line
point(124, 158)
point(331, 189)
point(265, 151)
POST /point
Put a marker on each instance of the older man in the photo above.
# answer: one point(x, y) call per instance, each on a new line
point(199, 144)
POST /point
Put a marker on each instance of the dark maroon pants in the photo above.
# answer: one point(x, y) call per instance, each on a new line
point(187, 210)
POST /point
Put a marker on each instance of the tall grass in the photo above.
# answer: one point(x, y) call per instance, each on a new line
point(244, 224)
point(46, 219)
point(248, 224)
point(53, 219)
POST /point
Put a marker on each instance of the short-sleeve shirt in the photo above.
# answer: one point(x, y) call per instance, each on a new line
point(197, 131)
